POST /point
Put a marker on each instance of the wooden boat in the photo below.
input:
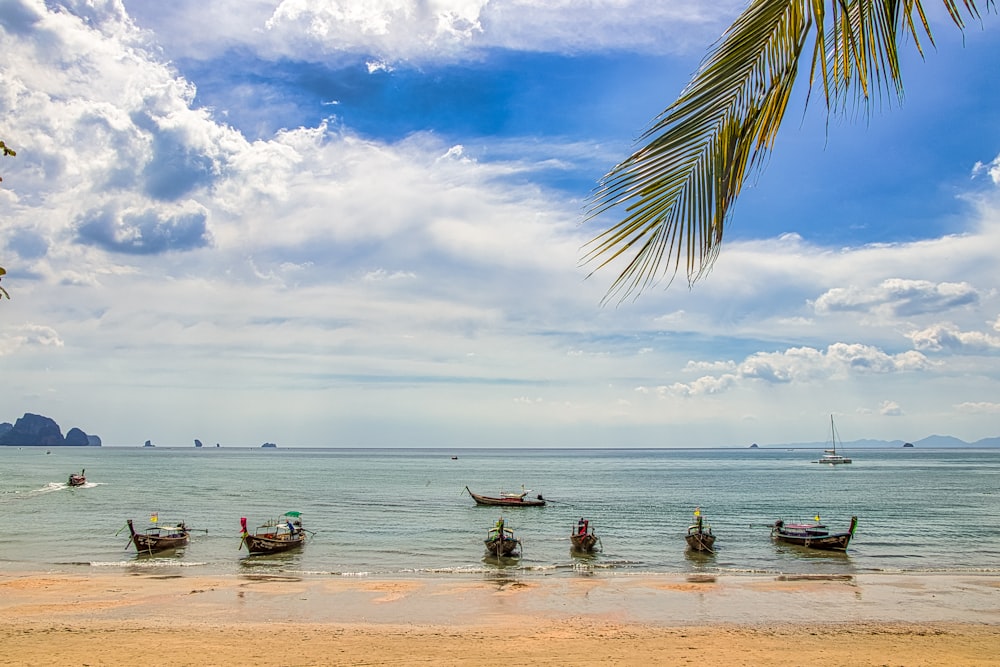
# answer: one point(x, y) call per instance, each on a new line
point(77, 480)
point(508, 499)
point(699, 536)
point(582, 538)
point(274, 536)
point(500, 541)
point(830, 456)
point(158, 537)
point(813, 535)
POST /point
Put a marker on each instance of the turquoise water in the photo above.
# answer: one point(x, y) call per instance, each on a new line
point(404, 512)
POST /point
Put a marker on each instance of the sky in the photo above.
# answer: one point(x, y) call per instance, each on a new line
point(361, 223)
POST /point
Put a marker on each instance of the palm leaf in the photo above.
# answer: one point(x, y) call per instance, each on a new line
point(677, 189)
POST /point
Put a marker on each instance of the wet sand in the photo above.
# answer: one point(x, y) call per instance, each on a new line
point(169, 619)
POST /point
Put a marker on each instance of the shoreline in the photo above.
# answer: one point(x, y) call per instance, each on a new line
point(111, 618)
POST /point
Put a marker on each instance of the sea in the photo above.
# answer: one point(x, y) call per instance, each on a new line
point(406, 513)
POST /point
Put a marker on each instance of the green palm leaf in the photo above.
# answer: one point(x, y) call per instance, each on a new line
point(677, 189)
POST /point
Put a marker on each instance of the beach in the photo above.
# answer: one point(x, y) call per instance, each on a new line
point(167, 618)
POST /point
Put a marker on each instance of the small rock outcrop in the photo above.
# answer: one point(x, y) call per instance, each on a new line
point(77, 438)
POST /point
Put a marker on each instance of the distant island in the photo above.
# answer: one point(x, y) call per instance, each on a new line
point(269, 444)
point(38, 431)
point(930, 442)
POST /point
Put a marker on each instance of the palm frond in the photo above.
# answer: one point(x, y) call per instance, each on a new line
point(677, 189)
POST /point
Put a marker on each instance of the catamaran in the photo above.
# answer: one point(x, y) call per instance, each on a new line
point(830, 455)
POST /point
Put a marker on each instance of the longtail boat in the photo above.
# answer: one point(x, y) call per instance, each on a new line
point(77, 480)
point(158, 537)
point(813, 535)
point(699, 536)
point(500, 541)
point(583, 538)
point(508, 499)
point(275, 535)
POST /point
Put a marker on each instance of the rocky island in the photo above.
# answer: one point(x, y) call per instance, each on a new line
point(37, 431)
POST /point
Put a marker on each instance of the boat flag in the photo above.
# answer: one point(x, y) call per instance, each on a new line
point(697, 511)
point(154, 517)
point(817, 518)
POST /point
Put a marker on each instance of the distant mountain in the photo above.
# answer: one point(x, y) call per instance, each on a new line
point(39, 431)
point(931, 441)
point(940, 441)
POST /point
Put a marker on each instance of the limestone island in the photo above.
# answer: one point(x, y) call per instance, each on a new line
point(37, 431)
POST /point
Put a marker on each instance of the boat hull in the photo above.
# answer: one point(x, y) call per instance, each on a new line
point(148, 544)
point(814, 537)
point(152, 541)
point(507, 546)
point(77, 480)
point(273, 537)
point(262, 544)
point(702, 541)
point(585, 543)
point(506, 502)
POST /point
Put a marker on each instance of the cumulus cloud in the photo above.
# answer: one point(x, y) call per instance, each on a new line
point(111, 145)
point(897, 297)
point(801, 365)
point(122, 160)
point(947, 336)
point(992, 170)
point(890, 409)
point(26, 336)
point(144, 231)
point(397, 30)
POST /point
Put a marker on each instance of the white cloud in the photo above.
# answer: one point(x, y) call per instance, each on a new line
point(15, 338)
point(992, 170)
point(398, 30)
point(980, 407)
point(801, 365)
point(890, 409)
point(382, 274)
point(947, 336)
point(898, 297)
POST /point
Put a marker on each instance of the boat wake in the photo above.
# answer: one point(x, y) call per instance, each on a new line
point(144, 563)
point(34, 493)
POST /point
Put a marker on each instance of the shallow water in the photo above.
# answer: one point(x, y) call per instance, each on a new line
point(391, 512)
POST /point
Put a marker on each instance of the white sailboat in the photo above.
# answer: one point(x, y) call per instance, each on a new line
point(830, 456)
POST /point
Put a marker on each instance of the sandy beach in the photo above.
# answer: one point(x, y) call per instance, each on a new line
point(173, 619)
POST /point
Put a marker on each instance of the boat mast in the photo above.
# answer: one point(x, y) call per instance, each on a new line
point(833, 435)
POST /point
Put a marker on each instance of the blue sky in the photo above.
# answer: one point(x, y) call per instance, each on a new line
point(347, 223)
